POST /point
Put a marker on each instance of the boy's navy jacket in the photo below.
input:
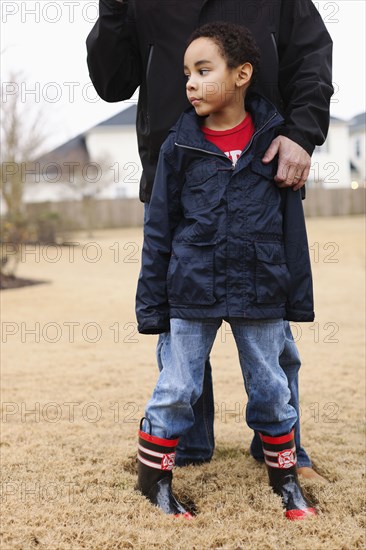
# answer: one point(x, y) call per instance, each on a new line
point(140, 43)
point(222, 240)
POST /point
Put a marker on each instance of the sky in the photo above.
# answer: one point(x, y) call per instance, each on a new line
point(44, 42)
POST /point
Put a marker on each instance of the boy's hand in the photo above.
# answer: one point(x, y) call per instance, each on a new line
point(293, 162)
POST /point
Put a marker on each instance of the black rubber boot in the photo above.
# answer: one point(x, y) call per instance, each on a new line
point(156, 459)
point(280, 458)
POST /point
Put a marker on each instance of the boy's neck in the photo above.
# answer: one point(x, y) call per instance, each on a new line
point(226, 119)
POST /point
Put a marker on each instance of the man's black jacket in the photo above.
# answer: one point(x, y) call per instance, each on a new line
point(142, 42)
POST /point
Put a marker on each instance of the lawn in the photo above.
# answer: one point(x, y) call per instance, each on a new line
point(76, 376)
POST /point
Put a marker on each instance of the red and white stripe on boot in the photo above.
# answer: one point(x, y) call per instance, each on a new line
point(280, 458)
point(164, 459)
point(156, 459)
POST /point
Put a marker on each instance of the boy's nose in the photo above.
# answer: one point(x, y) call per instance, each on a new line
point(191, 85)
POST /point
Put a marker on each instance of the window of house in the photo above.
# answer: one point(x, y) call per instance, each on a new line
point(358, 148)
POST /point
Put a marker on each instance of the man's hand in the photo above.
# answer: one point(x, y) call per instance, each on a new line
point(293, 162)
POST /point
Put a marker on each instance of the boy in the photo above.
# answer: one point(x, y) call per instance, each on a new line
point(221, 242)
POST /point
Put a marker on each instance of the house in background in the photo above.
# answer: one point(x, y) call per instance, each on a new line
point(48, 179)
point(330, 163)
point(113, 143)
point(357, 150)
point(102, 163)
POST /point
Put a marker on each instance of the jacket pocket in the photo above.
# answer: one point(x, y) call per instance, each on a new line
point(201, 188)
point(272, 278)
point(190, 278)
point(262, 186)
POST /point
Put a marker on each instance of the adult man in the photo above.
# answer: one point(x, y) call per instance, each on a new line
point(141, 43)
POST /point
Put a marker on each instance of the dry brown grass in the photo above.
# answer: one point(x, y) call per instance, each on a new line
point(68, 477)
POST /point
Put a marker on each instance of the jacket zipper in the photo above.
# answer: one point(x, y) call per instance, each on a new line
point(149, 59)
point(148, 65)
point(224, 156)
point(202, 150)
point(273, 37)
point(254, 135)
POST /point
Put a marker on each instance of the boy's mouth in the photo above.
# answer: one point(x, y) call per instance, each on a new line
point(194, 100)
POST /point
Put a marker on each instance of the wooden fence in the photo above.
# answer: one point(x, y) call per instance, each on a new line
point(100, 214)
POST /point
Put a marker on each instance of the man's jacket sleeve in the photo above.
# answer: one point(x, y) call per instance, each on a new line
point(163, 215)
point(113, 55)
point(305, 73)
point(300, 303)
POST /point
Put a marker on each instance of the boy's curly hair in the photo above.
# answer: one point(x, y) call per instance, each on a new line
point(235, 42)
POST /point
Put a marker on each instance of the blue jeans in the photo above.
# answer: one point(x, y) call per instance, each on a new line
point(290, 363)
point(198, 444)
point(180, 383)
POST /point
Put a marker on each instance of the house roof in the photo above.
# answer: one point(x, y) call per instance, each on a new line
point(358, 121)
point(337, 119)
point(123, 118)
point(74, 150)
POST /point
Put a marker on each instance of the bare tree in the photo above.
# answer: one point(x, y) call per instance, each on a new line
point(21, 142)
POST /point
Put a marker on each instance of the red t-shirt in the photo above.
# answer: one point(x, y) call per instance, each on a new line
point(232, 141)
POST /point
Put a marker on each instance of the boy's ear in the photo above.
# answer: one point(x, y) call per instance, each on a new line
point(244, 74)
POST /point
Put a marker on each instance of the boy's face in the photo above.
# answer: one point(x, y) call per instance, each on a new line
point(211, 85)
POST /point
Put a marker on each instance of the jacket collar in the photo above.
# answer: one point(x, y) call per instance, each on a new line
point(188, 128)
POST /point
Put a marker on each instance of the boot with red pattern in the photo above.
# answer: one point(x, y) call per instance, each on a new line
point(280, 458)
point(156, 459)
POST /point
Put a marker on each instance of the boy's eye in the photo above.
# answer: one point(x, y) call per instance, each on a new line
point(201, 72)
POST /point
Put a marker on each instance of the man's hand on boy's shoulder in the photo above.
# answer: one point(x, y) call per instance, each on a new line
point(293, 162)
